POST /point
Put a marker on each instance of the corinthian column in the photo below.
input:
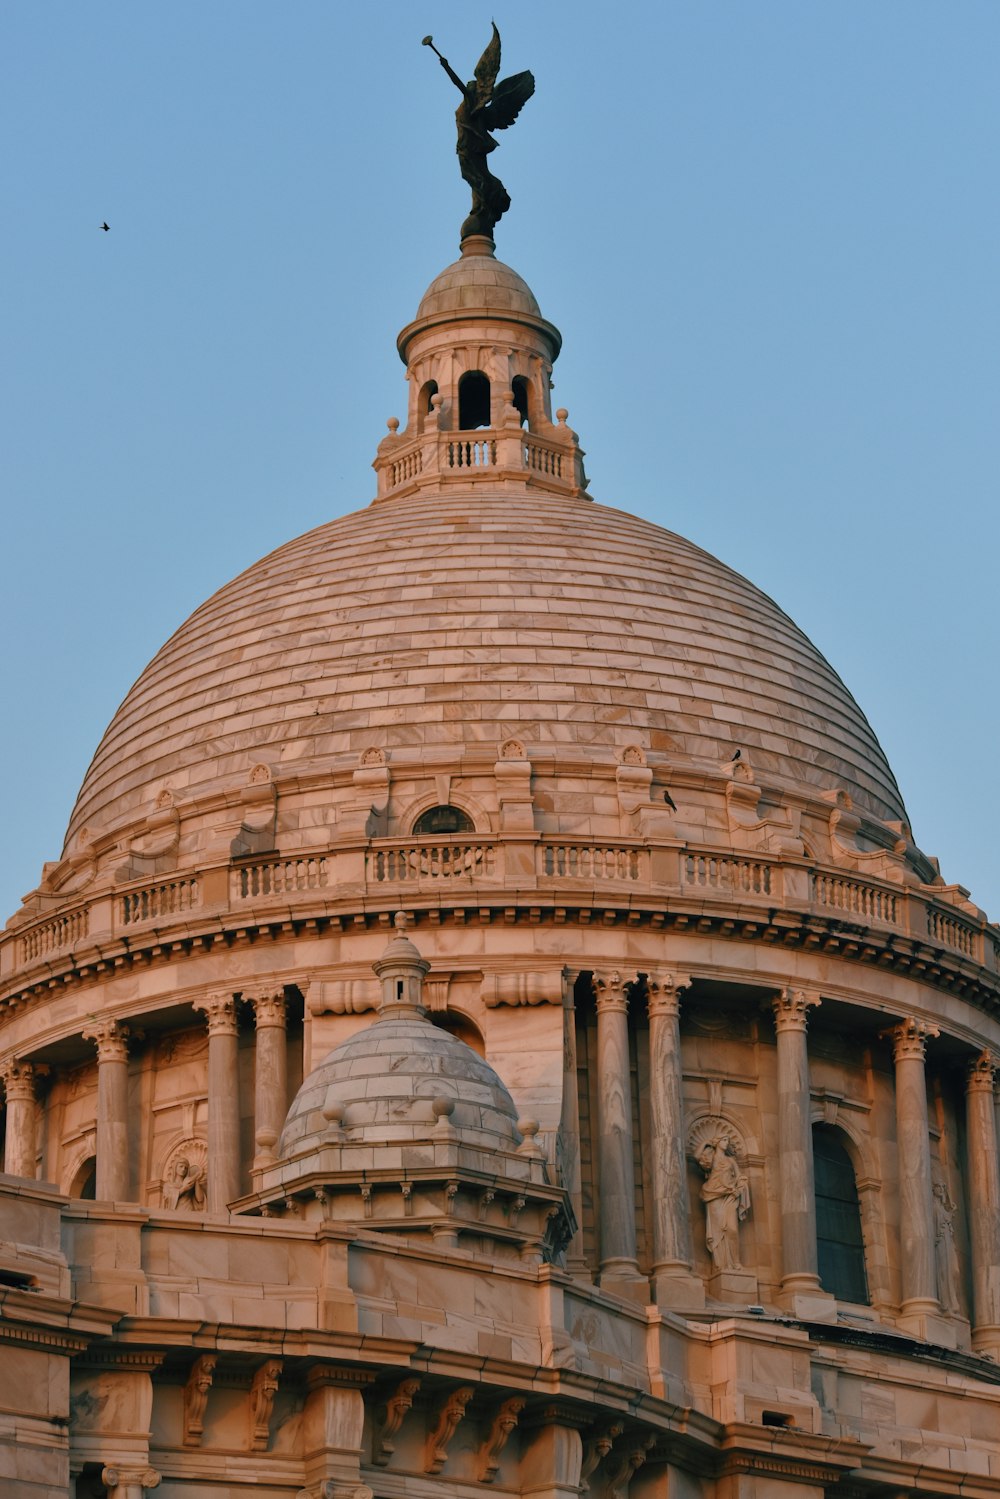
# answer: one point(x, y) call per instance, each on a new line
point(796, 1184)
point(270, 1070)
point(20, 1156)
point(984, 1205)
point(111, 1039)
point(672, 1249)
point(619, 1265)
point(223, 1100)
point(916, 1201)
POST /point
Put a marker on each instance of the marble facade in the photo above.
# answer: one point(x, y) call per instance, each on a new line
point(652, 1153)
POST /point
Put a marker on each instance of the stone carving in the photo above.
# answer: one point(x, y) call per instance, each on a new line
point(111, 1039)
point(512, 749)
point(259, 775)
point(196, 1398)
point(486, 105)
point(537, 988)
point(595, 1451)
point(450, 1413)
point(633, 754)
point(504, 1423)
point(945, 1253)
point(185, 1175)
point(372, 756)
point(262, 1393)
point(127, 1483)
point(392, 1413)
point(725, 1190)
point(627, 1465)
point(909, 1038)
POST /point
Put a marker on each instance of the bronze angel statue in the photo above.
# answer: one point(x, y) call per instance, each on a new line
point(486, 105)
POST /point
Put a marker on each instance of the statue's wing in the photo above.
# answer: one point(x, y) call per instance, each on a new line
point(509, 98)
point(488, 67)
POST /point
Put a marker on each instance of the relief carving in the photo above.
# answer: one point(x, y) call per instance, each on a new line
point(196, 1398)
point(504, 1423)
point(449, 1415)
point(185, 1174)
point(718, 1151)
point(262, 1393)
point(945, 1253)
point(395, 1408)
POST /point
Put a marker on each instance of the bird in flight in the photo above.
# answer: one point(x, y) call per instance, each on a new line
point(105, 226)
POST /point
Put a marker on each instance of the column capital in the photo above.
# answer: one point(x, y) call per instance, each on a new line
point(791, 1009)
point(126, 1478)
point(268, 1004)
point(909, 1038)
point(19, 1079)
point(110, 1036)
point(663, 992)
point(981, 1073)
point(609, 990)
point(219, 1010)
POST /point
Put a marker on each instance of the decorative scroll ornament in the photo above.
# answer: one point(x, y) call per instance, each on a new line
point(595, 1451)
point(450, 1413)
point(392, 1413)
point(504, 1423)
point(196, 1398)
point(627, 1465)
point(262, 1393)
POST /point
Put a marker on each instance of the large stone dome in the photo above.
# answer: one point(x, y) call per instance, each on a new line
point(449, 621)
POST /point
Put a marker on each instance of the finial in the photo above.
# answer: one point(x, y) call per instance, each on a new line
point(486, 105)
point(401, 921)
point(393, 424)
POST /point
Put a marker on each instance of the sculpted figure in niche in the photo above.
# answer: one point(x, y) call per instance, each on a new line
point(944, 1249)
point(726, 1195)
point(184, 1185)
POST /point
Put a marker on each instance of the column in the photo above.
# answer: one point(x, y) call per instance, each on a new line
point(918, 1269)
point(619, 1265)
point(20, 1157)
point(223, 1100)
point(270, 1071)
point(569, 1128)
point(673, 1254)
point(796, 1184)
point(983, 1195)
point(111, 1039)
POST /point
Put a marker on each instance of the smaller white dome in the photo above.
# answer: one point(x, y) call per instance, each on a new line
point(392, 1082)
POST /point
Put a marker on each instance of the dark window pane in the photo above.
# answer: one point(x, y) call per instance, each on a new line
point(838, 1220)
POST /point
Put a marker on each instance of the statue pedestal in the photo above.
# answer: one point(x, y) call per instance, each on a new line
point(737, 1287)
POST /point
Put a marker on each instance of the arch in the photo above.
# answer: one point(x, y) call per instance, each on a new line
point(839, 1236)
point(461, 1027)
point(83, 1184)
point(444, 818)
point(427, 391)
point(473, 401)
point(520, 391)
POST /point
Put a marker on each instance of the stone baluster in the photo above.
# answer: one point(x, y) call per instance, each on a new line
point(673, 1254)
point(111, 1039)
point(796, 1177)
point(916, 1201)
point(619, 1263)
point(20, 1156)
point(223, 1100)
point(270, 1071)
point(984, 1205)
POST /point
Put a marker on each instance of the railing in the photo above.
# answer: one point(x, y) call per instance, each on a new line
point(167, 899)
point(584, 861)
point(465, 452)
point(738, 876)
point(408, 862)
point(278, 877)
point(50, 936)
point(951, 931)
point(544, 460)
point(871, 902)
point(407, 467)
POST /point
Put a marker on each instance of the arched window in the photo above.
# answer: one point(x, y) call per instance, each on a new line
point(462, 1027)
point(84, 1184)
point(838, 1219)
point(427, 392)
point(519, 388)
point(445, 819)
point(473, 401)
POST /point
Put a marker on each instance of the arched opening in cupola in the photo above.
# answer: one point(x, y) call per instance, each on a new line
point(839, 1240)
point(84, 1183)
point(461, 1027)
point(473, 401)
point(428, 391)
point(444, 819)
point(519, 387)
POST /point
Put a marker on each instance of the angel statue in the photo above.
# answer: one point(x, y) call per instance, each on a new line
point(486, 105)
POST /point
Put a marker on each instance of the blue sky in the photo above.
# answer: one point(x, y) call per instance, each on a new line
point(769, 233)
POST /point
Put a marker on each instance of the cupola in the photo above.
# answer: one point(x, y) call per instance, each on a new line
point(479, 359)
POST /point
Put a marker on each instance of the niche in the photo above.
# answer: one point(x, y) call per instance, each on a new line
point(473, 401)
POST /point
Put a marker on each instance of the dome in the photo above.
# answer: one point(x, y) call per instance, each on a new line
point(449, 621)
point(478, 283)
point(389, 1080)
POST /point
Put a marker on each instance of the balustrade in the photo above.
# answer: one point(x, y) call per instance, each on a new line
point(50, 936)
point(738, 876)
point(167, 899)
point(951, 931)
point(869, 901)
point(403, 863)
point(278, 877)
point(584, 861)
